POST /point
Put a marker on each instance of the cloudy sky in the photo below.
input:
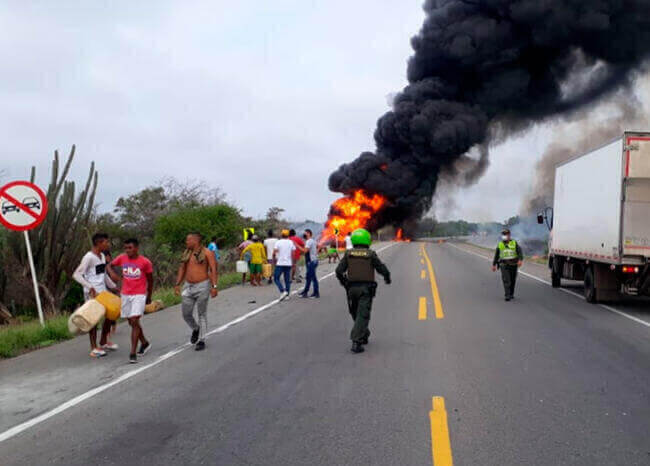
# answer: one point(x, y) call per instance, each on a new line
point(260, 99)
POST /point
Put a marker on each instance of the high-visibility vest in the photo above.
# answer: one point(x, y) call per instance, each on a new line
point(508, 251)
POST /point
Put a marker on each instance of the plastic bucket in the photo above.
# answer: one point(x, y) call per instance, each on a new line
point(242, 266)
point(266, 270)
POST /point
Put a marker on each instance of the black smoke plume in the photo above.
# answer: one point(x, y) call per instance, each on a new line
point(484, 69)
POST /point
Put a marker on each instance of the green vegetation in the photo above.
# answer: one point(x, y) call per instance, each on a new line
point(222, 221)
point(15, 339)
point(167, 296)
point(160, 216)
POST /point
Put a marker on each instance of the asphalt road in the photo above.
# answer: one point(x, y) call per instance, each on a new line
point(544, 380)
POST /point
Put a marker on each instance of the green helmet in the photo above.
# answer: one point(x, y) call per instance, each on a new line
point(361, 237)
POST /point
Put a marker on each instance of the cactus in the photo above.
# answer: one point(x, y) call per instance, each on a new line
point(60, 242)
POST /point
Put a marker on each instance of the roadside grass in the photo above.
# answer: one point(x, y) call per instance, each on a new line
point(26, 335)
point(17, 338)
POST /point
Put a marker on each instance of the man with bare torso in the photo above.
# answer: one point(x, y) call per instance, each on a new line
point(199, 271)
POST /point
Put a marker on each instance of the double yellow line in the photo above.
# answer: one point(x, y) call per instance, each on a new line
point(437, 303)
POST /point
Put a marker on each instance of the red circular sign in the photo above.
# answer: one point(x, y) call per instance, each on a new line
point(23, 205)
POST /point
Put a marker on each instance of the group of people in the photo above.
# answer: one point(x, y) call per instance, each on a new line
point(98, 272)
point(130, 275)
point(197, 274)
point(282, 256)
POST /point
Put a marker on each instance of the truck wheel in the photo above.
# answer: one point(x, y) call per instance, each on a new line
point(590, 286)
point(556, 275)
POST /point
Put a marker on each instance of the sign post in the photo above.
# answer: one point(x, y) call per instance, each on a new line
point(23, 207)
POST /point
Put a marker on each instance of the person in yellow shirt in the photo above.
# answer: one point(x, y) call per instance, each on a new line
point(258, 257)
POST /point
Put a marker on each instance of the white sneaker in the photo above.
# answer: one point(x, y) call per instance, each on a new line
point(283, 295)
point(97, 353)
point(110, 346)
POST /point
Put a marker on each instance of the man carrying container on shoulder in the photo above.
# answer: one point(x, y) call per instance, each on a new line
point(356, 272)
point(508, 256)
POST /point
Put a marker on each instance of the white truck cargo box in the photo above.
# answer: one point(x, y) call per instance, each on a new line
point(602, 202)
point(601, 219)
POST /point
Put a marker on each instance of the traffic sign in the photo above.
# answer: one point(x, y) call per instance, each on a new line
point(23, 206)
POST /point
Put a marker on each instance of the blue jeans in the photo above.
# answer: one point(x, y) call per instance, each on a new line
point(286, 271)
point(311, 278)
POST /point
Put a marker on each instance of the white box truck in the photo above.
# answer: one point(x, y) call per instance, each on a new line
point(601, 219)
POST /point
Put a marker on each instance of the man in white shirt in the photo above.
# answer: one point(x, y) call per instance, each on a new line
point(282, 252)
point(348, 242)
point(91, 274)
point(269, 244)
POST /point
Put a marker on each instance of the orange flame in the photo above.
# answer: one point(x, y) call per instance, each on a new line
point(351, 212)
point(399, 236)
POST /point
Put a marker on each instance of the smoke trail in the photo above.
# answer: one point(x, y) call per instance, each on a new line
point(483, 70)
point(626, 111)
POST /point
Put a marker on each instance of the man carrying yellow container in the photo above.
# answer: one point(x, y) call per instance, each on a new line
point(257, 251)
point(91, 274)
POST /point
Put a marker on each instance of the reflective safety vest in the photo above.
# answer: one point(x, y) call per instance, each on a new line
point(508, 251)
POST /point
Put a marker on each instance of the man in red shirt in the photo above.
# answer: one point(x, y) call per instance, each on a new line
point(137, 285)
point(300, 246)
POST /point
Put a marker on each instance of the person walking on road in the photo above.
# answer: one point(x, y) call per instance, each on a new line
point(295, 257)
point(243, 245)
point(508, 256)
point(137, 286)
point(282, 255)
point(348, 242)
point(200, 273)
point(258, 258)
point(91, 274)
point(269, 244)
point(311, 261)
point(356, 272)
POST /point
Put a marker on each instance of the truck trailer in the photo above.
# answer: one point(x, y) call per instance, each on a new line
point(600, 227)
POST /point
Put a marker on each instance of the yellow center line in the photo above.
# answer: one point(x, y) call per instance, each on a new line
point(422, 309)
point(434, 287)
point(423, 275)
point(440, 444)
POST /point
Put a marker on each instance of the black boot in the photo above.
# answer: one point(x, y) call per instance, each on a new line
point(357, 347)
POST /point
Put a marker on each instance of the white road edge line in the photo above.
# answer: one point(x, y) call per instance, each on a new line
point(577, 295)
point(6, 435)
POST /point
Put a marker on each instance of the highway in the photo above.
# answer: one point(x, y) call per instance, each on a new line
point(452, 373)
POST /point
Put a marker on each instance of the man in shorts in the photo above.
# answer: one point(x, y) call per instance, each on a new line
point(258, 258)
point(199, 271)
point(137, 285)
point(91, 274)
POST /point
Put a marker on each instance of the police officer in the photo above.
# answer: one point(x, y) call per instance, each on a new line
point(356, 272)
point(508, 257)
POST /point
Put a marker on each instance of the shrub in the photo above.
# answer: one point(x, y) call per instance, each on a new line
point(223, 221)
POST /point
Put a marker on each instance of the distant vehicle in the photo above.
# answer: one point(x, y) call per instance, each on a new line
point(9, 207)
point(32, 203)
point(601, 220)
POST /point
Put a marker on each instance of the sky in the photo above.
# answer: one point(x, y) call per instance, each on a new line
point(260, 99)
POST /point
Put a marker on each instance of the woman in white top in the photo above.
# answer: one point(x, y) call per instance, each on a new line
point(91, 274)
